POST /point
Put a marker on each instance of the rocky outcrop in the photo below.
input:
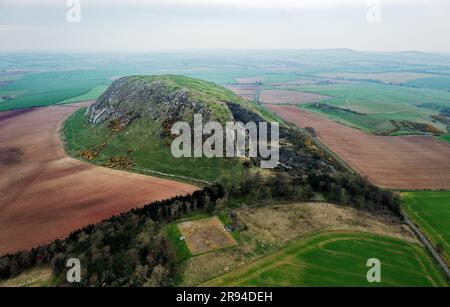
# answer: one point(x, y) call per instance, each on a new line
point(131, 97)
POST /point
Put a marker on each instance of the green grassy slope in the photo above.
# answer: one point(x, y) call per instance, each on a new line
point(431, 211)
point(150, 151)
point(339, 259)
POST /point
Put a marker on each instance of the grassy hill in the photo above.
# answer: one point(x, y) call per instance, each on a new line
point(144, 142)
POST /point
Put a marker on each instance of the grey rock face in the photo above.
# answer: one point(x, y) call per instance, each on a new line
point(128, 98)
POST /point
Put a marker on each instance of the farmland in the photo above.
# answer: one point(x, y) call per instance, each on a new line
point(433, 82)
point(93, 94)
point(338, 259)
point(431, 211)
point(272, 226)
point(250, 80)
point(388, 77)
point(288, 97)
point(400, 162)
point(373, 107)
point(387, 126)
point(40, 184)
point(46, 88)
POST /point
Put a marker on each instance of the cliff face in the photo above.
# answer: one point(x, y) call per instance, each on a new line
point(159, 99)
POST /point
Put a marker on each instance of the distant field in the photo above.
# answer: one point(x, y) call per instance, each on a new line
point(396, 162)
point(11, 76)
point(371, 107)
point(431, 211)
point(93, 94)
point(250, 80)
point(141, 142)
point(46, 88)
point(294, 82)
point(288, 97)
point(388, 77)
point(437, 83)
point(338, 259)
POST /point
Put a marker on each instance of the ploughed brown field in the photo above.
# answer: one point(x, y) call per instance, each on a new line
point(45, 195)
point(247, 92)
point(288, 97)
point(395, 162)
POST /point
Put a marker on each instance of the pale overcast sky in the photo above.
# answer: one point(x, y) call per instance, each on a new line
point(147, 25)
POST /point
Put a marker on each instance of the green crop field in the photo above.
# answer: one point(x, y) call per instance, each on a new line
point(141, 142)
point(339, 259)
point(445, 138)
point(431, 211)
point(373, 106)
point(91, 95)
point(46, 88)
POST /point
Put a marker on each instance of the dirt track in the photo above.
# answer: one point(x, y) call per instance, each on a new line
point(401, 162)
point(44, 195)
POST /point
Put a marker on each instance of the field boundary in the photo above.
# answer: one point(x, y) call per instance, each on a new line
point(171, 175)
point(427, 243)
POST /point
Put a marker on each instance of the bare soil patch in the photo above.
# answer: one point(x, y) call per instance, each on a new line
point(395, 162)
point(205, 235)
point(289, 97)
point(45, 195)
